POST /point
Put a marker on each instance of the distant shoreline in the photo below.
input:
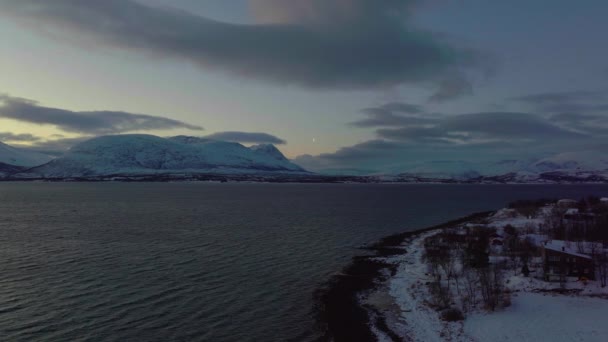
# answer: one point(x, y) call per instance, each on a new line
point(340, 315)
point(290, 178)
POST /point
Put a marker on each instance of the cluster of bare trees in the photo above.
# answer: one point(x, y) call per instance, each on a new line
point(461, 271)
point(519, 250)
point(589, 223)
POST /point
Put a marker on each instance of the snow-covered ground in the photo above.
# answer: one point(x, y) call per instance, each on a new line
point(415, 320)
point(541, 317)
point(534, 314)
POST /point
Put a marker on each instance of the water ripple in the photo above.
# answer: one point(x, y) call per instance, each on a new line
point(198, 262)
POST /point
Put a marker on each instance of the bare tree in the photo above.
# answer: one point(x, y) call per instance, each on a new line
point(490, 281)
point(580, 246)
point(594, 247)
point(440, 295)
point(554, 223)
point(602, 267)
point(526, 250)
point(471, 284)
point(447, 264)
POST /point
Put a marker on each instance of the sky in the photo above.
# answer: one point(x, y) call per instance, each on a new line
point(360, 85)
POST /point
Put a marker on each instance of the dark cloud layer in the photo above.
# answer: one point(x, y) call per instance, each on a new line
point(476, 128)
point(90, 123)
point(397, 107)
point(480, 128)
point(247, 137)
point(316, 43)
point(578, 102)
point(394, 114)
point(25, 137)
point(559, 97)
point(451, 88)
point(595, 124)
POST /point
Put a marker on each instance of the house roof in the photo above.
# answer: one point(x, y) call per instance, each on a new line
point(568, 247)
point(572, 211)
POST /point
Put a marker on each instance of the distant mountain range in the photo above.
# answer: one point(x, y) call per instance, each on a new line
point(152, 158)
point(563, 167)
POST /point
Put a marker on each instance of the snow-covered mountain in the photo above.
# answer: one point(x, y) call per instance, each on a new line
point(149, 155)
point(18, 157)
point(563, 167)
point(572, 161)
point(14, 159)
point(462, 170)
point(268, 150)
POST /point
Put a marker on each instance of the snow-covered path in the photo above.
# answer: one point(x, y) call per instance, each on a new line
point(418, 322)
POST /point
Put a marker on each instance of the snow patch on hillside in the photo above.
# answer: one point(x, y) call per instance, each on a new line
point(588, 161)
point(18, 157)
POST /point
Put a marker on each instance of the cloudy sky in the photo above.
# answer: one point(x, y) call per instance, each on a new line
point(369, 85)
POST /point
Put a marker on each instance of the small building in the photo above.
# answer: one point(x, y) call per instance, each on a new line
point(571, 212)
point(562, 259)
point(574, 214)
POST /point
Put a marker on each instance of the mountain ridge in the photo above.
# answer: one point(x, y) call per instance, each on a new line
point(139, 154)
point(14, 156)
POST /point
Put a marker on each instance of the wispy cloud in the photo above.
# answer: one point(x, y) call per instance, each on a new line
point(395, 114)
point(452, 87)
point(483, 127)
point(25, 137)
point(247, 137)
point(559, 97)
point(88, 122)
point(579, 102)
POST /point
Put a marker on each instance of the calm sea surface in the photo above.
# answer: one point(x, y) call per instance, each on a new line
point(201, 262)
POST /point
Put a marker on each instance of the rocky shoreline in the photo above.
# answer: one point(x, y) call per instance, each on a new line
point(341, 315)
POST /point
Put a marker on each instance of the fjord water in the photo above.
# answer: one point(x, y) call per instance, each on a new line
point(201, 262)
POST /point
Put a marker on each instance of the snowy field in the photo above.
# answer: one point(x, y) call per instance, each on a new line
point(538, 317)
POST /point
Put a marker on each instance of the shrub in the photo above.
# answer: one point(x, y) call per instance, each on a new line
point(441, 296)
point(506, 300)
point(452, 315)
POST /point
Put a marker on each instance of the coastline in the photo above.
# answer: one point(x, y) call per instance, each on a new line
point(341, 316)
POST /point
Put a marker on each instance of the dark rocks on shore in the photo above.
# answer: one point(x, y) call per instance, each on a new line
point(340, 315)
